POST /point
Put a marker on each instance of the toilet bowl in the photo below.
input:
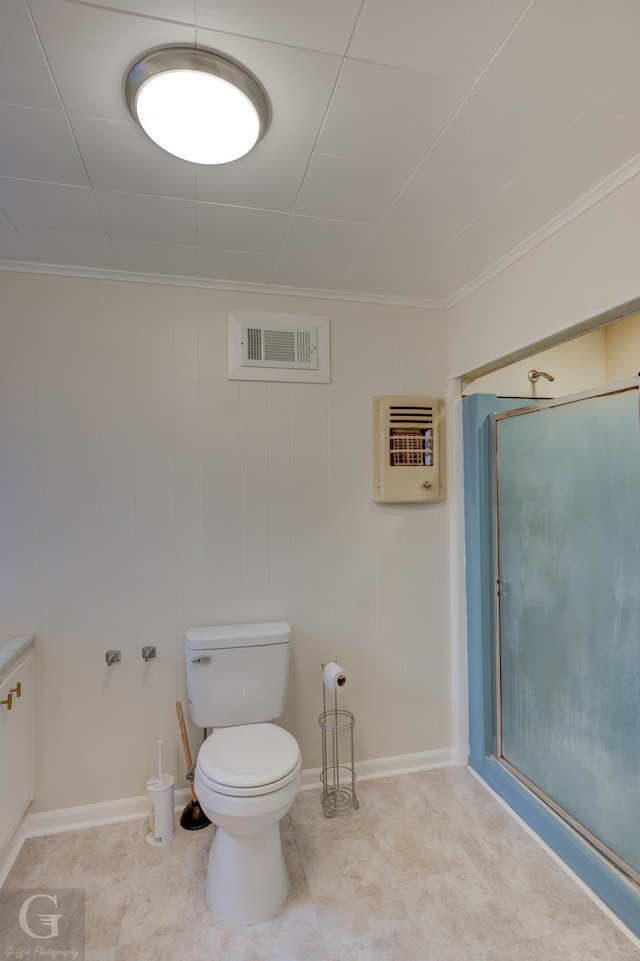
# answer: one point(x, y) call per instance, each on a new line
point(246, 779)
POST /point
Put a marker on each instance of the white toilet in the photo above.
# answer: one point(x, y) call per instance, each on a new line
point(248, 771)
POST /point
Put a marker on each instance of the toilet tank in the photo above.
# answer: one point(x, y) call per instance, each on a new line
point(237, 673)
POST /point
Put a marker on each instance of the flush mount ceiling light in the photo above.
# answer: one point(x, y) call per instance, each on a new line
point(197, 104)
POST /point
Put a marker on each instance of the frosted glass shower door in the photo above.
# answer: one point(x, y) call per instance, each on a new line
point(568, 575)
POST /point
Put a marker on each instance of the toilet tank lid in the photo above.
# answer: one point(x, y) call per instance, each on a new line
point(220, 636)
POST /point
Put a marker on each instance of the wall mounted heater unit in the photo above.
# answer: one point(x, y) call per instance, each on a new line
point(285, 347)
point(408, 449)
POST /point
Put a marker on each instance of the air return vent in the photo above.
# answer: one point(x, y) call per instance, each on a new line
point(408, 449)
point(268, 346)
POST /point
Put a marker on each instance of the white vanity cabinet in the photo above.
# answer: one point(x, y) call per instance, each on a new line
point(17, 744)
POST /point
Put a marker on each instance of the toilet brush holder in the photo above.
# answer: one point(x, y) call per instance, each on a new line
point(162, 821)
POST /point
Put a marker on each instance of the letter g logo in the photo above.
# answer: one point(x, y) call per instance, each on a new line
point(49, 921)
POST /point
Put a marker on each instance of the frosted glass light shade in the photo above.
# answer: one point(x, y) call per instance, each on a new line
point(197, 104)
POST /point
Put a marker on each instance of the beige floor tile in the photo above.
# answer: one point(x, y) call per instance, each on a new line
point(370, 924)
point(415, 847)
point(186, 942)
point(392, 797)
point(293, 935)
point(341, 858)
point(460, 915)
point(431, 868)
point(29, 869)
point(104, 910)
point(299, 892)
point(456, 793)
point(306, 813)
point(600, 941)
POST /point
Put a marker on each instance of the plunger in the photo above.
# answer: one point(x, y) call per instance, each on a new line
point(193, 817)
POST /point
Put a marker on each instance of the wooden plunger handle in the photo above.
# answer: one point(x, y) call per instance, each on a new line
point(185, 745)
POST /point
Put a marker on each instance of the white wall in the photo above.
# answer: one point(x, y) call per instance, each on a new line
point(575, 366)
point(585, 269)
point(143, 492)
point(623, 349)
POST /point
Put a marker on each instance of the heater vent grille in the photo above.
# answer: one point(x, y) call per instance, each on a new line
point(408, 449)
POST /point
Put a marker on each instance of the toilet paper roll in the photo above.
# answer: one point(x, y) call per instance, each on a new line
point(334, 676)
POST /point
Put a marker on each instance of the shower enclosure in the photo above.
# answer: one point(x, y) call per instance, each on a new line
point(567, 611)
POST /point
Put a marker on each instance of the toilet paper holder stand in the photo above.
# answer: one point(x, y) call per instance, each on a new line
point(338, 774)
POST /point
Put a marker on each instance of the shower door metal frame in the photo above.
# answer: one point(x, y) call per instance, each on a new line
point(599, 846)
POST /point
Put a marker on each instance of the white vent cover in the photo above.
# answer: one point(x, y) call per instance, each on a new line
point(270, 347)
point(285, 347)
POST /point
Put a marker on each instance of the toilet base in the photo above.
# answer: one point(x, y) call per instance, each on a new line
point(247, 878)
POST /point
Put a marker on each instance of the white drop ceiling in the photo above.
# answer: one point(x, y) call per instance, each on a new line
point(416, 147)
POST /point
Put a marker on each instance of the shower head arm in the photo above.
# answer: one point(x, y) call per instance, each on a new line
point(535, 375)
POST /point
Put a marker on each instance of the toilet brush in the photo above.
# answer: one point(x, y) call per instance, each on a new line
point(193, 817)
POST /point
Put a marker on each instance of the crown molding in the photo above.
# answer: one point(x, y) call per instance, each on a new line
point(588, 200)
point(96, 273)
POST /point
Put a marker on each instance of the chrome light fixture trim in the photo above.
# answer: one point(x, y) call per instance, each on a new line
point(206, 132)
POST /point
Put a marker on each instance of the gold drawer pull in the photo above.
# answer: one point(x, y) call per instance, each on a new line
point(17, 690)
point(7, 701)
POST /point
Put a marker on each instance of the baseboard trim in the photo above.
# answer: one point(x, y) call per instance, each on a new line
point(36, 824)
point(386, 767)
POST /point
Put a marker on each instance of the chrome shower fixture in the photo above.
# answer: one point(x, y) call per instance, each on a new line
point(535, 375)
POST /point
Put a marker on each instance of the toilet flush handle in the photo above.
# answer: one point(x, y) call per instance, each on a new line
point(201, 660)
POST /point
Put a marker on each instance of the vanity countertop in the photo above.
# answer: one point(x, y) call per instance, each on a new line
point(12, 650)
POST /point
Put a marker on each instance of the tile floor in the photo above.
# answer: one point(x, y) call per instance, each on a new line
point(431, 868)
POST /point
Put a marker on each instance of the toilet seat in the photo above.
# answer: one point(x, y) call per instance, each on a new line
point(249, 760)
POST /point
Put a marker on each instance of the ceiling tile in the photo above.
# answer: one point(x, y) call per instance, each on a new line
point(450, 38)
point(623, 95)
point(24, 133)
point(595, 145)
point(442, 202)
point(398, 259)
point(310, 238)
point(567, 50)
point(145, 217)
point(240, 228)
point(149, 258)
point(385, 114)
point(12, 246)
point(268, 177)
point(345, 188)
point(495, 133)
point(71, 249)
point(398, 279)
point(25, 78)
point(438, 148)
point(247, 267)
point(312, 274)
point(298, 83)
point(323, 26)
point(181, 11)
point(46, 206)
point(118, 156)
point(91, 48)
